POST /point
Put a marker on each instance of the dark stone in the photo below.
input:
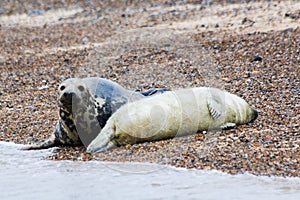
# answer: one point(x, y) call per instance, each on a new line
point(244, 20)
point(257, 58)
point(243, 139)
point(9, 106)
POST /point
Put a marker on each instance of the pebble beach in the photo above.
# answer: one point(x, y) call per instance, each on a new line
point(251, 49)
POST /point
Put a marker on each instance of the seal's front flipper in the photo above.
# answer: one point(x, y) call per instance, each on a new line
point(51, 142)
point(155, 91)
point(215, 109)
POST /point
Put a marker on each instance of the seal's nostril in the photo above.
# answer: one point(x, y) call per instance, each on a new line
point(62, 87)
point(81, 88)
point(68, 95)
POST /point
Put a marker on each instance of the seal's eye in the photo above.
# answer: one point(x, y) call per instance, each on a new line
point(81, 88)
point(62, 88)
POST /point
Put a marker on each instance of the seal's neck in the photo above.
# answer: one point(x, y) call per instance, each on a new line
point(67, 132)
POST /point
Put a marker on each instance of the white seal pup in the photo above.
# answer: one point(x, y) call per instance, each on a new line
point(174, 113)
point(85, 104)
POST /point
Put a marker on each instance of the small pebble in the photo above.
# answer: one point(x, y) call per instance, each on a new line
point(249, 81)
point(49, 7)
point(128, 153)
point(35, 12)
point(267, 142)
point(287, 14)
point(257, 58)
point(85, 39)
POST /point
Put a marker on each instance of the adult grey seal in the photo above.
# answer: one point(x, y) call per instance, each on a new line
point(84, 107)
point(174, 113)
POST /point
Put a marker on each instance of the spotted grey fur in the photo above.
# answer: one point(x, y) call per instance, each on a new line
point(84, 107)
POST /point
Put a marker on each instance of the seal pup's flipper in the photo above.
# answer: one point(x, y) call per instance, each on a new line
point(228, 125)
point(102, 146)
point(99, 144)
point(104, 141)
point(214, 109)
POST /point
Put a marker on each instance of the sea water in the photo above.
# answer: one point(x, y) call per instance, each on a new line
point(28, 175)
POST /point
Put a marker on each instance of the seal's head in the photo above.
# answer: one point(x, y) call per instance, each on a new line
point(79, 107)
point(73, 95)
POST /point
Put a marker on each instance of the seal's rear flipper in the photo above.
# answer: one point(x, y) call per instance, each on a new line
point(228, 125)
point(51, 142)
point(155, 91)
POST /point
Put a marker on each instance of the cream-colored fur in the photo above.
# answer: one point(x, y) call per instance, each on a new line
point(174, 113)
